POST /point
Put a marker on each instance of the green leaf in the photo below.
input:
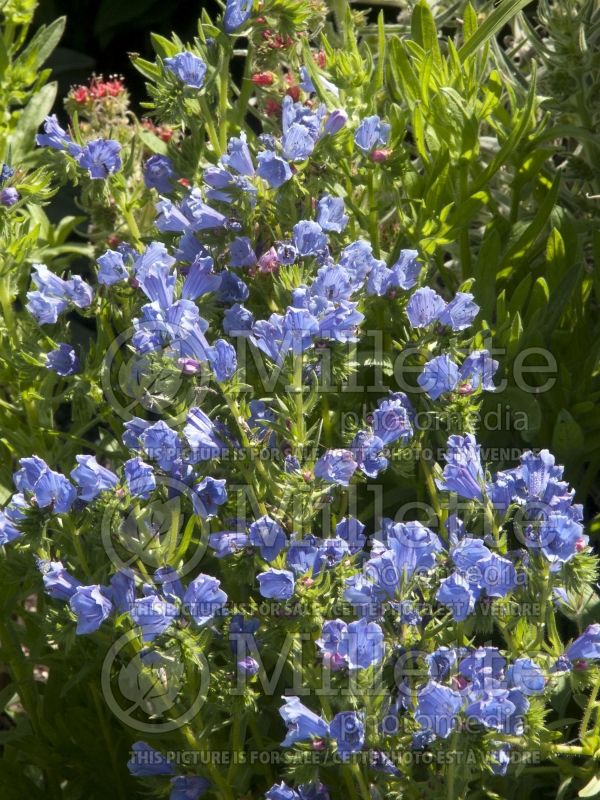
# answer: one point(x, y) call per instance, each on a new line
point(567, 436)
point(424, 32)
point(22, 138)
point(42, 44)
point(496, 20)
point(592, 788)
point(469, 22)
point(534, 229)
point(517, 133)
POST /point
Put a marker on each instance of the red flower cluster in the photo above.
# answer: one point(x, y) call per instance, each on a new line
point(162, 131)
point(98, 89)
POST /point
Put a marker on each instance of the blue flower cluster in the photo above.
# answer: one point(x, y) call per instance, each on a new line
point(193, 298)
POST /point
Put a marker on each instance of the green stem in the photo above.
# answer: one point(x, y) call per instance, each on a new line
point(298, 392)
point(24, 680)
point(451, 774)
point(133, 226)
point(591, 705)
point(224, 790)
point(6, 302)
point(464, 242)
point(259, 466)
point(224, 100)
point(116, 768)
point(246, 87)
point(210, 127)
point(373, 219)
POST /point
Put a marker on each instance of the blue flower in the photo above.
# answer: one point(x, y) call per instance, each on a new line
point(51, 299)
point(237, 13)
point(313, 791)
point(299, 327)
point(333, 644)
point(303, 555)
point(526, 675)
point(201, 279)
point(460, 312)
point(9, 196)
point(348, 730)
point(154, 615)
point(380, 279)
point(53, 492)
point(335, 121)
point(168, 581)
point(6, 172)
point(159, 173)
point(208, 495)
point(406, 270)
point(9, 518)
point(455, 592)
point(308, 238)
point(79, 292)
point(276, 584)
point(302, 723)
point(134, 428)
point(468, 553)
point(298, 142)
point(222, 359)
point(146, 762)
point(140, 478)
point(437, 709)
point(200, 433)
point(56, 137)
point(440, 375)
point(281, 791)
point(440, 662)
point(226, 543)
point(367, 451)
point(268, 536)
point(237, 321)
point(63, 360)
point(203, 598)
point(482, 663)
point(336, 466)
point(187, 68)
point(370, 133)
point(500, 759)
point(161, 444)
point(199, 215)
point(188, 787)
point(273, 169)
point(392, 420)
point(587, 646)
point(498, 575)
point(560, 538)
point(232, 288)
point(122, 590)
point(463, 472)
point(241, 252)
point(101, 158)
point(330, 214)
point(478, 370)
point(424, 307)
point(112, 268)
point(414, 546)
point(351, 530)
point(363, 644)
point(58, 582)
point(92, 478)
point(238, 156)
point(91, 606)
point(492, 710)
point(248, 666)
